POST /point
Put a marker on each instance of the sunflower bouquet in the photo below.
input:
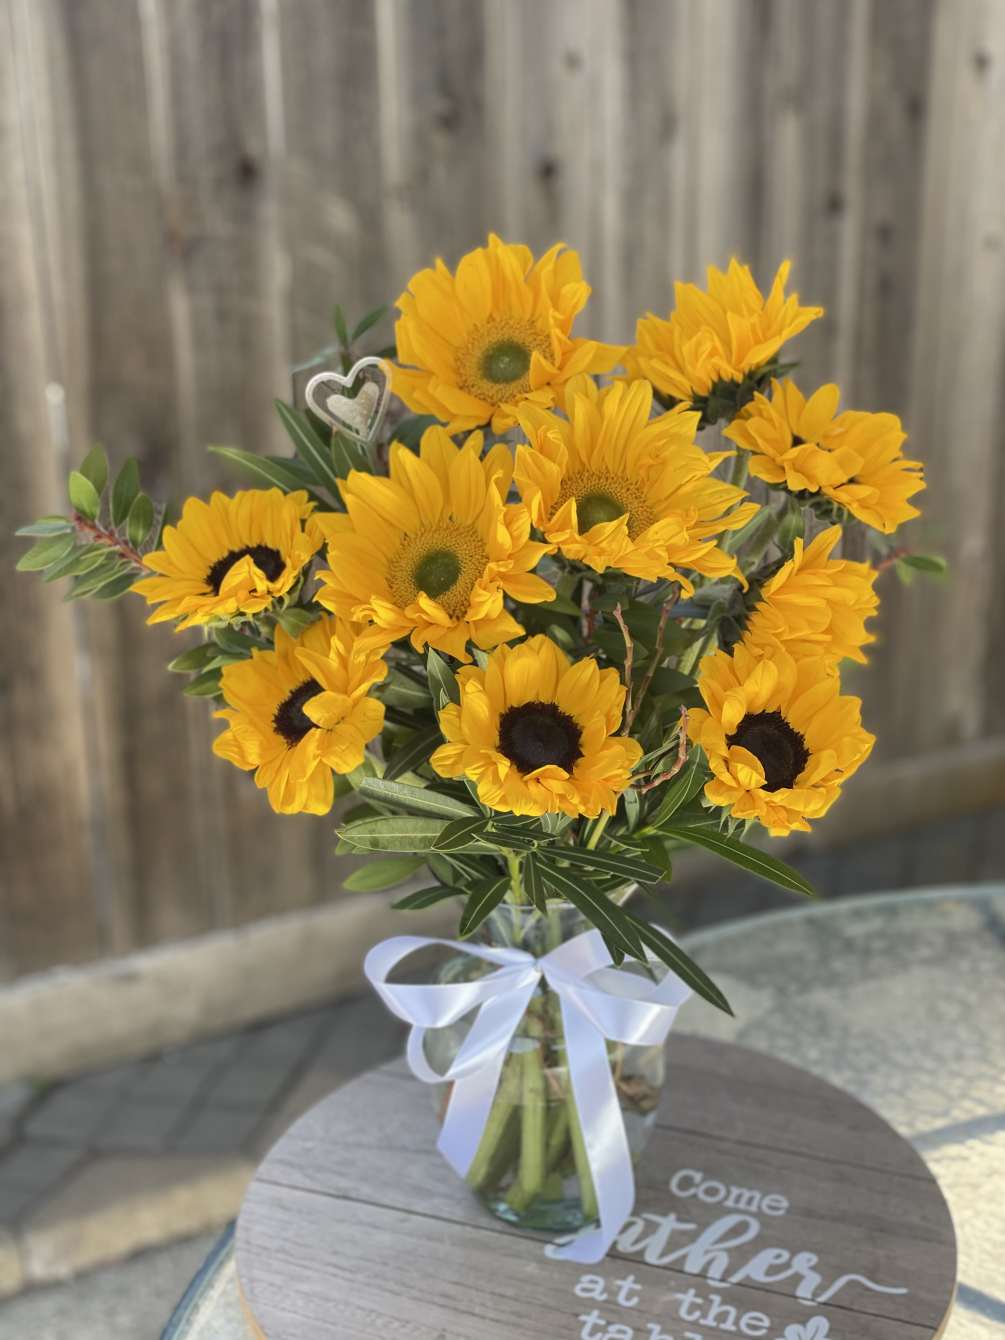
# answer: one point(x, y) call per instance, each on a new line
point(545, 637)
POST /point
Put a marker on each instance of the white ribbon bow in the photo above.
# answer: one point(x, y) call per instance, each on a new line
point(598, 1002)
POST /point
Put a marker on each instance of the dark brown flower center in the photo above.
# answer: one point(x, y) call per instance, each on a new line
point(290, 720)
point(536, 734)
point(262, 555)
point(780, 750)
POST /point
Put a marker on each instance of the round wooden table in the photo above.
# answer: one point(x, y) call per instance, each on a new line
point(897, 998)
point(769, 1204)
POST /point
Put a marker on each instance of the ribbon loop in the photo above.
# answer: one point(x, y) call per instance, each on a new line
point(598, 1002)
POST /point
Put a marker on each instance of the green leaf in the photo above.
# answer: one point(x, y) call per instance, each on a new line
point(442, 680)
point(657, 855)
point(368, 322)
point(460, 833)
point(377, 875)
point(744, 855)
point(194, 659)
point(670, 953)
point(140, 520)
point(310, 448)
point(348, 455)
point(413, 902)
point(534, 883)
point(84, 497)
point(124, 491)
point(403, 692)
point(206, 685)
point(341, 329)
point(618, 863)
point(108, 569)
point(118, 586)
point(294, 620)
point(44, 552)
point(418, 798)
point(408, 431)
point(932, 563)
point(84, 558)
point(608, 918)
point(234, 641)
point(393, 833)
point(484, 898)
point(268, 468)
point(681, 789)
point(45, 526)
point(95, 468)
point(413, 753)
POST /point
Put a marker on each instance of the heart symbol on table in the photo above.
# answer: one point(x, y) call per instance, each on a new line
point(358, 415)
point(817, 1328)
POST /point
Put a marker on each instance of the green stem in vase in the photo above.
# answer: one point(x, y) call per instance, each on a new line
point(506, 1101)
point(587, 1191)
point(533, 1119)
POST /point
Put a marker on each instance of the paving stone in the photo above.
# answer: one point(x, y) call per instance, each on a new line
point(317, 1083)
point(249, 1088)
point(216, 1131)
point(70, 1117)
point(34, 1164)
point(118, 1204)
point(15, 1099)
point(144, 1127)
point(16, 1202)
point(218, 1051)
point(107, 1082)
point(289, 1040)
point(162, 1082)
point(11, 1270)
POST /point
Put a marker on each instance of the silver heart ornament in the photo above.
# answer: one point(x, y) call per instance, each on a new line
point(359, 415)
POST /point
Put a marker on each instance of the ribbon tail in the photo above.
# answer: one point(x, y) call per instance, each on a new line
point(603, 1135)
point(487, 1046)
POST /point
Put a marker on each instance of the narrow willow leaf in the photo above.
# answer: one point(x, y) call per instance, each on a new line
point(932, 563)
point(310, 448)
point(534, 883)
point(408, 431)
point(682, 789)
point(83, 495)
point(418, 798)
point(347, 455)
point(268, 468)
point(609, 919)
point(632, 802)
point(618, 863)
point(140, 520)
point(94, 467)
point(108, 570)
point(402, 692)
point(44, 552)
point(461, 833)
point(400, 832)
point(413, 753)
point(124, 490)
point(234, 641)
point(368, 322)
point(84, 558)
point(744, 855)
point(341, 328)
point(118, 586)
point(196, 658)
point(656, 854)
point(206, 685)
point(670, 953)
point(46, 526)
point(511, 840)
point(482, 900)
point(442, 680)
point(414, 902)
point(377, 875)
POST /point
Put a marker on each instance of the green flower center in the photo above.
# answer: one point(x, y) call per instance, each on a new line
point(506, 361)
point(291, 721)
point(594, 508)
point(436, 572)
point(780, 750)
point(269, 560)
point(536, 734)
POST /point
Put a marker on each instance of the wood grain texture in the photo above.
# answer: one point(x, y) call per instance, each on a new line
point(189, 188)
point(354, 1226)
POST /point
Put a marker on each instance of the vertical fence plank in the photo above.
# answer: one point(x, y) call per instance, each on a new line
point(46, 894)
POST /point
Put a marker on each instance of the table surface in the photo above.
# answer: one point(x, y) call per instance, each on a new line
point(896, 998)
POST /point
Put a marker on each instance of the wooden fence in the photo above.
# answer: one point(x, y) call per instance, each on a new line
point(187, 186)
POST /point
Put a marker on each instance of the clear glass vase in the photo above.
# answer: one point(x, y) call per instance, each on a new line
point(531, 1167)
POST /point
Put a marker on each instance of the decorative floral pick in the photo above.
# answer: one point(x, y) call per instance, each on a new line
point(359, 416)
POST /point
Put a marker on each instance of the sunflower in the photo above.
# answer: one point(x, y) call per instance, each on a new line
point(612, 488)
point(431, 551)
point(719, 336)
point(815, 605)
point(535, 732)
point(300, 712)
point(853, 458)
point(779, 735)
point(497, 333)
point(229, 557)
